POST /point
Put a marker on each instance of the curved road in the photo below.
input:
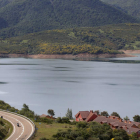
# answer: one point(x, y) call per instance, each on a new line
point(25, 129)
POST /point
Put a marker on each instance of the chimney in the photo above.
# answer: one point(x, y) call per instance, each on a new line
point(125, 121)
point(91, 111)
point(118, 118)
point(121, 120)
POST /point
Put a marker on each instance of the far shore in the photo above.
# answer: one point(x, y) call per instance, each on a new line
point(127, 53)
point(131, 51)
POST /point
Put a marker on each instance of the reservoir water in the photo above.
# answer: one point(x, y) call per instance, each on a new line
point(79, 85)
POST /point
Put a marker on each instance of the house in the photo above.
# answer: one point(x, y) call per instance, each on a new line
point(47, 116)
point(85, 116)
point(113, 121)
point(81, 115)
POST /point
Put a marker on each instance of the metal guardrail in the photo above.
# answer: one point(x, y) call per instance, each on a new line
point(23, 117)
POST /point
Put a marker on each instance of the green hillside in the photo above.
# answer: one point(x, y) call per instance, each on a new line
point(4, 2)
point(92, 40)
point(132, 7)
point(18, 17)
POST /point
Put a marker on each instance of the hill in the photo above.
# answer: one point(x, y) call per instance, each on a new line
point(92, 40)
point(19, 17)
point(132, 7)
point(4, 2)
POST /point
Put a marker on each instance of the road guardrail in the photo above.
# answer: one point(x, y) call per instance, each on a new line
point(23, 117)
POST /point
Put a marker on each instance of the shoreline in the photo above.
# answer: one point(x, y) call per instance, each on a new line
point(66, 56)
point(131, 52)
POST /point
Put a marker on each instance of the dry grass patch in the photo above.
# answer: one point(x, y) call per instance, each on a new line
point(48, 130)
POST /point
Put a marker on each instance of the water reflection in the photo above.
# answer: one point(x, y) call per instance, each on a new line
point(111, 60)
point(3, 82)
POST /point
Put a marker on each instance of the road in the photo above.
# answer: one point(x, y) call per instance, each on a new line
point(24, 131)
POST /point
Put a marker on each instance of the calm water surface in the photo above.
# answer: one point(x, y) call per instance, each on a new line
point(80, 85)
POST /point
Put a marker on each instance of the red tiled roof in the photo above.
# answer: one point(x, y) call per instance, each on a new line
point(132, 129)
point(84, 114)
point(136, 123)
point(100, 119)
point(43, 115)
point(91, 114)
point(117, 123)
point(111, 120)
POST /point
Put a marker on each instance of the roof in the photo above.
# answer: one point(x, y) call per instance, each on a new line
point(91, 114)
point(84, 114)
point(118, 123)
point(132, 129)
point(100, 119)
point(43, 115)
point(113, 121)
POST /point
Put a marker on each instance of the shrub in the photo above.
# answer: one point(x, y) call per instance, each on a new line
point(58, 120)
point(65, 120)
point(46, 120)
point(43, 139)
point(81, 124)
point(79, 138)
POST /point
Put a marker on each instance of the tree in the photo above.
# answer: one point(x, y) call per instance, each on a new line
point(51, 112)
point(26, 107)
point(97, 111)
point(69, 114)
point(104, 113)
point(136, 118)
point(126, 118)
point(115, 114)
point(133, 136)
point(43, 139)
point(120, 134)
point(26, 111)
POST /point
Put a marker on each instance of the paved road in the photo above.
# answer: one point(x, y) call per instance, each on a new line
point(19, 133)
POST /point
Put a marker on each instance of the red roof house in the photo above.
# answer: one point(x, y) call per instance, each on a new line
point(81, 115)
point(47, 116)
point(113, 121)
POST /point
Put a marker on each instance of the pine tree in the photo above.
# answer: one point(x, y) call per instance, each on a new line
point(69, 114)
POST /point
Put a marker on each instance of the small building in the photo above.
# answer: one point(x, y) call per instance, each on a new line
point(85, 116)
point(81, 115)
point(47, 116)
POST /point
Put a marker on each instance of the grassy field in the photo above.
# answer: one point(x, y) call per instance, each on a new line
point(48, 130)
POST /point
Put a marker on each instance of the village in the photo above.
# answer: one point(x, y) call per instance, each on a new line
point(113, 121)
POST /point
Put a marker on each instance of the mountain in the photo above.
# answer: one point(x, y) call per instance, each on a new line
point(4, 2)
point(18, 17)
point(132, 7)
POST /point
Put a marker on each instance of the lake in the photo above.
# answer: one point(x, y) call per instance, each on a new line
point(79, 85)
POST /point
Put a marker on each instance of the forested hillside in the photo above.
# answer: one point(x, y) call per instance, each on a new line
point(4, 2)
point(92, 40)
point(132, 7)
point(18, 17)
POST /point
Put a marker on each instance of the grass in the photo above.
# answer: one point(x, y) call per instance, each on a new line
point(9, 128)
point(48, 130)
